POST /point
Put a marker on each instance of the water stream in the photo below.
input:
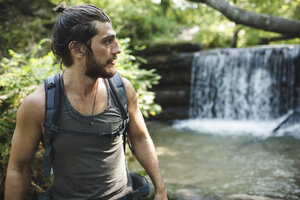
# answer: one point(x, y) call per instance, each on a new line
point(226, 147)
point(213, 165)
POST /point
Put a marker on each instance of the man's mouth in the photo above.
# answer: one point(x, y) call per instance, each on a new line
point(112, 61)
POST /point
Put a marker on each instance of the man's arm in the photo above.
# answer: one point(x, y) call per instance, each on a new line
point(142, 142)
point(25, 140)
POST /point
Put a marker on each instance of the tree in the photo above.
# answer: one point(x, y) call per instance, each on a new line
point(286, 27)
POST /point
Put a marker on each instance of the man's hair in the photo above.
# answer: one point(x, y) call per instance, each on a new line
point(76, 23)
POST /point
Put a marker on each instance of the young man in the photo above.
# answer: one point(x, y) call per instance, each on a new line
point(84, 166)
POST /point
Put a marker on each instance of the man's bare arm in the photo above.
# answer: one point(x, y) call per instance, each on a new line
point(25, 140)
point(142, 143)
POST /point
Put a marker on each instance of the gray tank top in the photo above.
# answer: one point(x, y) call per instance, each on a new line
point(87, 165)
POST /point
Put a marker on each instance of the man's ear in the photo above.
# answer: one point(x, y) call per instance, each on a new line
point(76, 49)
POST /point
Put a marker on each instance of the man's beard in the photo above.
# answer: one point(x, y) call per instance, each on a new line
point(95, 70)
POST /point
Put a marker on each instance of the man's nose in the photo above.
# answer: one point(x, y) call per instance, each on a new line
point(116, 49)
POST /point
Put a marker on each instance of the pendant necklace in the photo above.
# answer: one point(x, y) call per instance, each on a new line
point(91, 120)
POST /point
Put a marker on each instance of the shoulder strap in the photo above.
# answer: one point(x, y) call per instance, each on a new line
point(118, 89)
point(52, 90)
point(117, 86)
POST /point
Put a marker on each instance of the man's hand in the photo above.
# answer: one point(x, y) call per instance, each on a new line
point(160, 195)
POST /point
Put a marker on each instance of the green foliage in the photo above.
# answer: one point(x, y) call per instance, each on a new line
point(141, 79)
point(139, 20)
point(217, 35)
point(148, 22)
point(144, 21)
point(5, 1)
point(19, 75)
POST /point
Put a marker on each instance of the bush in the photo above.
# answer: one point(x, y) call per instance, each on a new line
point(141, 79)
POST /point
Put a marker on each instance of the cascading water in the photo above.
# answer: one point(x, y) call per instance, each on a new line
point(250, 83)
point(246, 90)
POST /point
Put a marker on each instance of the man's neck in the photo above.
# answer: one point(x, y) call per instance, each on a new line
point(76, 82)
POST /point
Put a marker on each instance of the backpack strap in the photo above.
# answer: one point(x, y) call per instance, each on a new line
point(117, 86)
point(52, 90)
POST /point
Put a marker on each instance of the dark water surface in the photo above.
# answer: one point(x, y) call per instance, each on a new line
point(225, 164)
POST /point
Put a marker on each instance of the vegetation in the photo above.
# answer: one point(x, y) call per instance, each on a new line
point(165, 21)
point(141, 79)
point(20, 75)
point(24, 22)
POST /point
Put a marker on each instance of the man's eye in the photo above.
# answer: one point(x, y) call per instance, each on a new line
point(107, 42)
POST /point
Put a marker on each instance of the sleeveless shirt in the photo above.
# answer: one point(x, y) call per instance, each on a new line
point(87, 165)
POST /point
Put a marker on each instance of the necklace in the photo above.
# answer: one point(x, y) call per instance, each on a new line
point(91, 120)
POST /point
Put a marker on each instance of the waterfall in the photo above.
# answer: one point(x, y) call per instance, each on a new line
point(255, 83)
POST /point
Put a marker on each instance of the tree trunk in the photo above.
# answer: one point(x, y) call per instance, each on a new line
point(271, 23)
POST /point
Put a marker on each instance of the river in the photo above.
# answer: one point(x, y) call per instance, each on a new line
point(217, 158)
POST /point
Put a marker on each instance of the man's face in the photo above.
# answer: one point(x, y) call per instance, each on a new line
point(100, 63)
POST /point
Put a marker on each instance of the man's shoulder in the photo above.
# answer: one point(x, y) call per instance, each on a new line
point(130, 91)
point(34, 104)
point(130, 94)
point(128, 86)
point(36, 97)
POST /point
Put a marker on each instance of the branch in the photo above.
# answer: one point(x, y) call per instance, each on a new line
point(265, 22)
point(235, 37)
point(268, 40)
point(198, 1)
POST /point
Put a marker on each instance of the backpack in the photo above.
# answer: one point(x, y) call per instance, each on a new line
point(52, 89)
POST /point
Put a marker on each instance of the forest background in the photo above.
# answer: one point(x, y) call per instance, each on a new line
point(26, 26)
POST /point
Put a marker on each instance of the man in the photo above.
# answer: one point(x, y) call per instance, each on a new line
point(85, 167)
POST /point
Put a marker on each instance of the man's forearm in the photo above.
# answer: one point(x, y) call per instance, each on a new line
point(146, 155)
point(16, 185)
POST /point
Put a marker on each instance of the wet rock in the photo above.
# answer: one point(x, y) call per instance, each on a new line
point(185, 194)
point(247, 197)
point(188, 194)
point(173, 90)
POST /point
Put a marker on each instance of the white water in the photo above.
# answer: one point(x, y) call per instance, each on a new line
point(245, 84)
point(243, 91)
point(227, 127)
point(259, 129)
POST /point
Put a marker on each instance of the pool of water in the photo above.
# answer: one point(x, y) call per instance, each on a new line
point(223, 158)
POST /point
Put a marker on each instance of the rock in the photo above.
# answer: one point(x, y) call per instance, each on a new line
point(247, 197)
point(172, 96)
point(173, 90)
point(185, 194)
point(189, 194)
point(167, 48)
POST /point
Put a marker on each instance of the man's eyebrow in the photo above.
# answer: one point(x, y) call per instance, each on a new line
point(109, 36)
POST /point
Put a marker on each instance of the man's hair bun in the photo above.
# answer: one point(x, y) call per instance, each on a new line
point(60, 7)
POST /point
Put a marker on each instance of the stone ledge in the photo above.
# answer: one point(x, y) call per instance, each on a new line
point(165, 48)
